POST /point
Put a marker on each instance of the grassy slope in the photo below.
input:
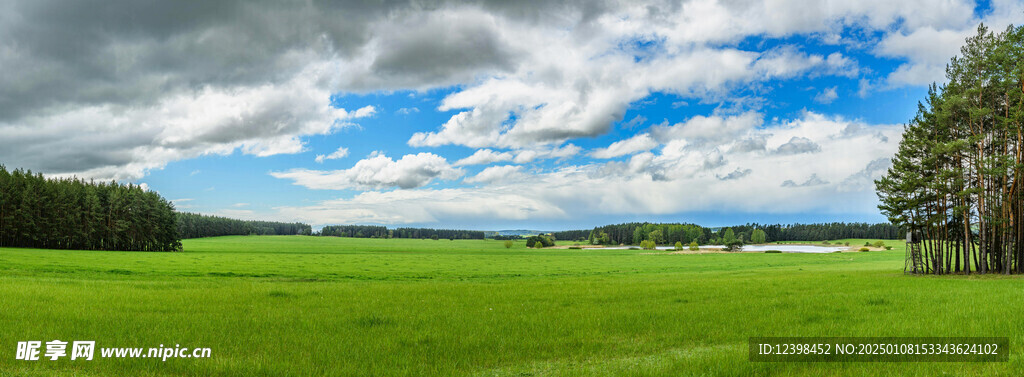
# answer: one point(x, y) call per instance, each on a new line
point(310, 306)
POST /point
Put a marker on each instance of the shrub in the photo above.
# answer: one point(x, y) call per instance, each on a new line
point(825, 243)
point(508, 244)
point(879, 243)
point(648, 244)
point(538, 245)
point(679, 245)
point(694, 246)
point(837, 251)
point(634, 248)
point(575, 247)
point(888, 247)
point(736, 245)
point(772, 252)
point(847, 244)
point(867, 244)
point(864, 249)
point(545, 241)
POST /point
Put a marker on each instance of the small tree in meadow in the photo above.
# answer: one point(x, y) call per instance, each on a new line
point(879, 244)
point(694, 246)
point(758, 236)
point(679, 245)
point(508, 244)
point(648, 245)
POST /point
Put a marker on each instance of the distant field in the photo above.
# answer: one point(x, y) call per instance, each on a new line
point(303, 306)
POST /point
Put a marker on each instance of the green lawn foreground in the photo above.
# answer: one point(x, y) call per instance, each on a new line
point(304, 306)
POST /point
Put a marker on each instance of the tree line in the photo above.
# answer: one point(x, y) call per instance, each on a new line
point(193, 225)
point(634, 233)
point(670, 233)
point(956, 178)
point(70, 213)
point(379, 231)
point(819, 232)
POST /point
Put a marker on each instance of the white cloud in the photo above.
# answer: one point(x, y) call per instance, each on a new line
point(583, 96)
point(495, 174)
point(639, 143)
point(342, 152)
point(377, 172)
point(686, 175)
point(813, 180)
point(712, 129)
point(484, 157)
point(424, 206)
point(529, 155)
point(826, 96)
point(798, 145)
point(927, 48)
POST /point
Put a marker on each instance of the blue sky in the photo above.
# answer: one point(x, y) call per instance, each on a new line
point(551, 115)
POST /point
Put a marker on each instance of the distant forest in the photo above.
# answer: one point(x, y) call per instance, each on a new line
point(72, 213)
point(191, 225)
point(378, 231)
point(634, 233)
point(75, 214)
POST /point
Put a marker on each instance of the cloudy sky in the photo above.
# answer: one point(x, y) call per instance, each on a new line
point(483, 115)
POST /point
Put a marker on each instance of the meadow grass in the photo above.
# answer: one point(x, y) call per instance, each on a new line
point(303, 306)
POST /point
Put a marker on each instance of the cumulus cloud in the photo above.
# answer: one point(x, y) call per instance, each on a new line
point(484, 157)
point(377, 172)
point(714, 129)
point(682, 176)
point(736, 174)
point(425, 206)
point(826, 96)
point(928, 48)
point(813, 180)
point(529, 155)
point(497, 174)
point(638, 143)
point(342, 152)
point(109, 141)
point(865, 179)
point(798, 145)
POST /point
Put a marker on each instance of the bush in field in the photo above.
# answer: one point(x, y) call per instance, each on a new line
point(679, 245)
point(508, 244)
point(879, 243)
point(735, 245)
point(772, 252)
point(867, 244)
point(847, 244)
point(825, 243)
point(575, 248)
point(648, 245)
point(544, 240)
point(888, 247)
point(864, 249)
point(694, 246)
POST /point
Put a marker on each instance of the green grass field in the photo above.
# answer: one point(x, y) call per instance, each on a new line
point(305, 306)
